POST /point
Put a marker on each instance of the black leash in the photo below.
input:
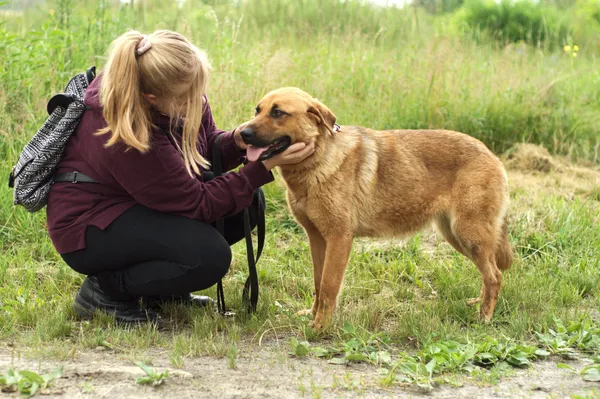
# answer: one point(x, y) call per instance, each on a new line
point(250, 292)
point(251, 285)
point(218, 171)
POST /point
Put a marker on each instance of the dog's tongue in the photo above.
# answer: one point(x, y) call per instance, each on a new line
point(253, 153)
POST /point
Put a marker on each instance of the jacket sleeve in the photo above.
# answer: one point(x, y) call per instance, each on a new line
point(231, 155)
point(159, 180)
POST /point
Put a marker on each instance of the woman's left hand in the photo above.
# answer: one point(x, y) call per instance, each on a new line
point(238, 137)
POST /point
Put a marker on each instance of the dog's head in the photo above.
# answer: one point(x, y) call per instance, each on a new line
point(283, 117)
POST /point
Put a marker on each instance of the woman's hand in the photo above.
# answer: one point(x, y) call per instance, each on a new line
point(294, 154)
point(238, 137)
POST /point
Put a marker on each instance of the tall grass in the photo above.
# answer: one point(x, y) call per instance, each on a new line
point(381, 68)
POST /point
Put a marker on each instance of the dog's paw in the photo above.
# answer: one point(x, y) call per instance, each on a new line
point(322, 321)
point(315, 325)
point(486, 317)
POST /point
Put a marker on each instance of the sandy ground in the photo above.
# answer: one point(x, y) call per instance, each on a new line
point(269, 373)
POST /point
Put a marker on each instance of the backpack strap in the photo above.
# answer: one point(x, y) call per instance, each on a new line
point(59, 100)
point(74, 177)
point(65, 99)
point(90, 74)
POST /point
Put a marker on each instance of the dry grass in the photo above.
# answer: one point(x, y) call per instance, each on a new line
point(530, 157)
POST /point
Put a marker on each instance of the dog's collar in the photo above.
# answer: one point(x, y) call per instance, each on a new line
point(336, 128)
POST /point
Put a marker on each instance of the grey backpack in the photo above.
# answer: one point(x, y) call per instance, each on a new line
point(34, 173)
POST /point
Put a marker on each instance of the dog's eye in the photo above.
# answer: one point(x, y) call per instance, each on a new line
point(276, 113)
point(256, 111)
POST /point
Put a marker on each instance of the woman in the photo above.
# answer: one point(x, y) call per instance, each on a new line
point(144, 230)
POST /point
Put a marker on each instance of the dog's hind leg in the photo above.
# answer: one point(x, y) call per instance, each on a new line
point(442, 222)
point(503, 258)
point(336, 260)
point(504, 254)
point(478, 238)
point(485, 261)
point(443, 225)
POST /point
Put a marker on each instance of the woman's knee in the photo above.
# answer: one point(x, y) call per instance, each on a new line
point(210, 265)
point(220, 257)
point(213, 257)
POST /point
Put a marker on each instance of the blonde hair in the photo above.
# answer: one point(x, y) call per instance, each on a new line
point(166, 60)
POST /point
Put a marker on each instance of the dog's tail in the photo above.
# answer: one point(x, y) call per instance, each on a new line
point(504, 252)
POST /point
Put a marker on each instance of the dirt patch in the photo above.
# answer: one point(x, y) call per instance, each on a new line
point(269, 373)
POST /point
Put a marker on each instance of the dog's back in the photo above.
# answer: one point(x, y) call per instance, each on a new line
point(396, 181)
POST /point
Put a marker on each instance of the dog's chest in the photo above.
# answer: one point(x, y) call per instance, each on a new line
point(320, 207)
point(303, 203)
point(336, 206)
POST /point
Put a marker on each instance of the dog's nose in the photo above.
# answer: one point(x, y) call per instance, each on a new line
point(247, 134)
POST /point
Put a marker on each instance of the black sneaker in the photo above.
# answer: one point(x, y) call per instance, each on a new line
point(92, 297)
point(156, 302)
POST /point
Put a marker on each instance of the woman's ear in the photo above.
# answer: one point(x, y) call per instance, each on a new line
point(151, 98)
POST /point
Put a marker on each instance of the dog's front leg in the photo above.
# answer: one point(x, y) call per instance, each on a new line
point(318, 249)
point(317, 253)
point(337, 254)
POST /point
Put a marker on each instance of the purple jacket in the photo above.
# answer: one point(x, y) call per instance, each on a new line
point(157, 179)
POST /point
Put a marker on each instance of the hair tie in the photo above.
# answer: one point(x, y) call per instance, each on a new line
point(143, 46)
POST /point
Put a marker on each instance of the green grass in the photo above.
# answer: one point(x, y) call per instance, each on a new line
point(383, 69)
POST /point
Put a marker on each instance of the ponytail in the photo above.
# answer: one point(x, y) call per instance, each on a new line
point(124, 107)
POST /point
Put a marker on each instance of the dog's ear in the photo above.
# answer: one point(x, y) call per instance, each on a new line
point(323, 114)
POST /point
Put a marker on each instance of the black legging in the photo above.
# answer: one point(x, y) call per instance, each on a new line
point(149, 253)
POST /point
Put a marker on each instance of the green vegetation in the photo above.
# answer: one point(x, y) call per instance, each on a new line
point(152, 377)
point(26, 382)
point(403, 307)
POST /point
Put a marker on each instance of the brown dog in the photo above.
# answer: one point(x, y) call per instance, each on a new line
point(363, 182)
